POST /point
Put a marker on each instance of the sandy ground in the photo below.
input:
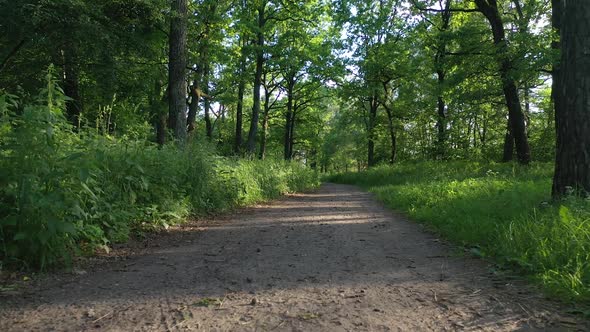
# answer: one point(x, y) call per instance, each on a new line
point(331, 260)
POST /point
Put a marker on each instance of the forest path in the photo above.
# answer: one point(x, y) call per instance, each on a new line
point(330, 260)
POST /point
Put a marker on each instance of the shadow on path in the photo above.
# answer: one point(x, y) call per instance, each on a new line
point(329, 260)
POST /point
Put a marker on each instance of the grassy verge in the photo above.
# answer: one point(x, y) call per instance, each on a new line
point(498, 210)
point(65, 193)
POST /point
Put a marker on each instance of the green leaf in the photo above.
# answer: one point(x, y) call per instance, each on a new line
point(564, 214)
point(85, 187)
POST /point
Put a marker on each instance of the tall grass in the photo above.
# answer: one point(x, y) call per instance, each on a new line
point(499, 210)
point(65, 193)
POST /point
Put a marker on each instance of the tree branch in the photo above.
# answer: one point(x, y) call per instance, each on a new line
point(460, 10)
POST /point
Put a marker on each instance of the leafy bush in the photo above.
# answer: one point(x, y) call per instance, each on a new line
point(64, 193)
point(498, 210)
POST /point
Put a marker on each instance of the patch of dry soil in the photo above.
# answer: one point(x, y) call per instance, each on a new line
point(331, 260)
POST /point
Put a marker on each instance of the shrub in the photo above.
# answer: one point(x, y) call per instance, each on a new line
point(64, 193)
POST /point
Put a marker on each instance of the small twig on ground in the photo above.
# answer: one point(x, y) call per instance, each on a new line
point(279, 325)
point(500, 302)
point(222, 300)
point(101, 317)
point(108, 314)
point(523, 309)
point(215, 260)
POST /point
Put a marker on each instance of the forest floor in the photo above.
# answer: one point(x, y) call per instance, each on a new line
point(329, 260)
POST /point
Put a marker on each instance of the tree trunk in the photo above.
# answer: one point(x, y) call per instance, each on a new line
point(207, 105)
point(314, 159)
point(199, 87)
point(158, 116)
point(176, 69)
point(220, 132)
point(441, 123)
point(373, 104)
point(12, 53)
point(264, 125)
point(288, 153)
point(489, 9)
point(292, 132)
point(391, 136)
point(193, 107)
point(572, 112)
point(439, 62)
point(72, 84)
point(205, 63)
point(508, 154)
point(240, 107)
point(556, 17)
point(251, 145)
point(161, 129)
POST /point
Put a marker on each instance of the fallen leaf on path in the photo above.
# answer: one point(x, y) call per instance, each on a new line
point(308, 316)
point(207, 302)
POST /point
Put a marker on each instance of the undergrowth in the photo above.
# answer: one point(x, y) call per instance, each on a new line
point(64, 194)
point(502, 211)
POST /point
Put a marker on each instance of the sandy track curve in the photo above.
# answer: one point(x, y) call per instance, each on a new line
point(331, 260)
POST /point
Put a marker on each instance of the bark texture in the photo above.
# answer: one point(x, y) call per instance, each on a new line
point(240, 107)
point(439, 62)
point(251, 145)
point(193, 108)
point(508, 153)
point(572, 112)
point(289, 118)
point(392, 136)
point(177, 68)
point(373, 105)
point(207, 104)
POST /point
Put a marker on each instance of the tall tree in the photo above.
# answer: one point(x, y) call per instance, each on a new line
point(489, 8)
point(270, 86)
point(572, 112)
point(177, 59)
point(441, 72)
point(260, 27)
point(241, 74)
point(241, 89)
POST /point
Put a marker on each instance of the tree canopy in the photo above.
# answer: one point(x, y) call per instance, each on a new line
point(336, 84)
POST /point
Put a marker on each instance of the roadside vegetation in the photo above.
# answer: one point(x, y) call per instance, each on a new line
point(499, 211)
point(64, 193)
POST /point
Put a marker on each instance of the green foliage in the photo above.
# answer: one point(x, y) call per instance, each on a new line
point(501, 210)
point(560, 236)
point(63, 193)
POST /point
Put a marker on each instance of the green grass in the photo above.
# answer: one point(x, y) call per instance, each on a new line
point(502, 211)
point(64, 194)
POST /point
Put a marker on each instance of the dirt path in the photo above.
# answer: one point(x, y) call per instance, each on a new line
point(332, 260)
